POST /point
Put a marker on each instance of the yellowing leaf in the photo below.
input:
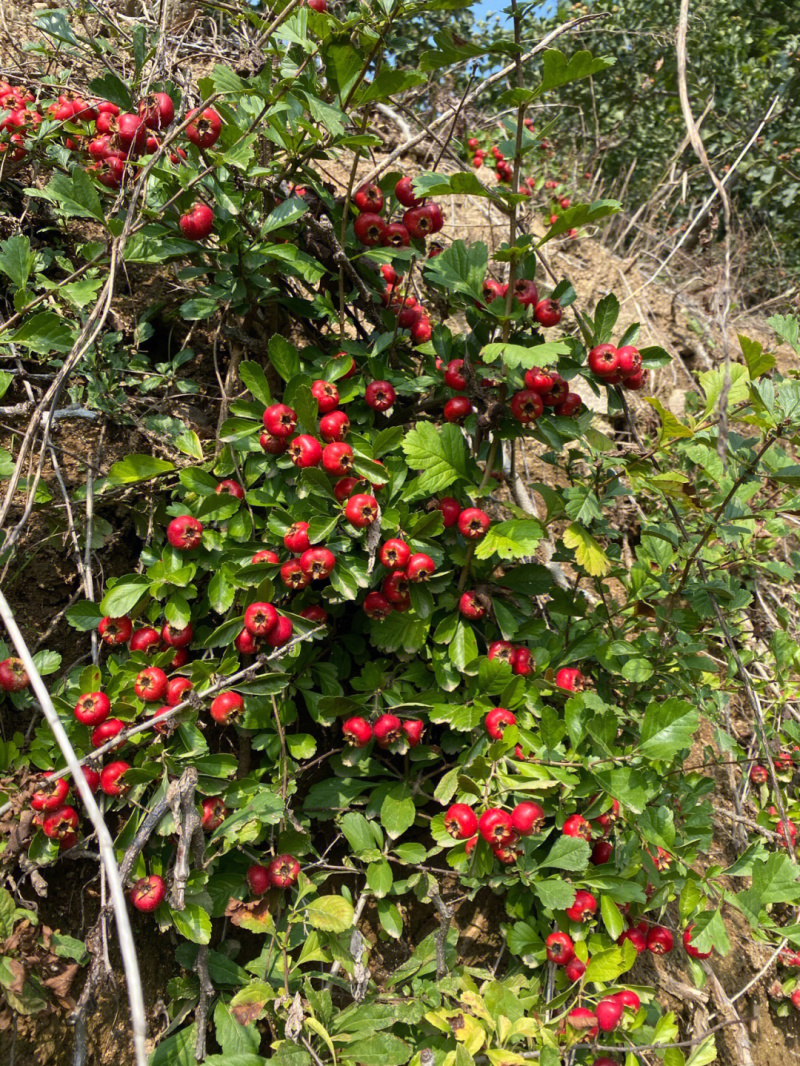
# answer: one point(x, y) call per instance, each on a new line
point(671, 426)
point(588, 552)
point(332, 914)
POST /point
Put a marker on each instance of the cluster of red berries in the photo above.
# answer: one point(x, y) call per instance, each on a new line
point(387, 730)
point(411, 315)
point(618, 366)
point(503, 168)
point(281, 872)
point(421, 219)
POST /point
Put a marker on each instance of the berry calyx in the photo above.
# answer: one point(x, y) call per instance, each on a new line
point(460, 821)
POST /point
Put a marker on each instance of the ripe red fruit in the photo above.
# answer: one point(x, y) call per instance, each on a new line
point(357, 731)
point(107, 730)
point(265, 556)
point(317, 563)
point(147, 640)
point(628, 998)
point(609, 1011)
point(204, 129)
point(177, 689)
point(603, 360)
point(526, 406)
point(527, 818)
point(296, 537)
point(387, 730)
point(557, 394)
point(284, 870)
point(148, 892)
point(538, 380)
point(176, 638)
point(453, 376)
point(246, 644)
point(395, 236)
point(337, 458)
point(457, 409)
point(759, 775)
point(460, 821)
point(395, 587)
point(59, 823)
point(368, 197)
point(260, 618)
point(660, 941)
point(368, 228)
point(583, 908)
point(198, 222)
point(421, 331)
point(157, 110)
point(258, 880)
point(451, 509)
point(473, 523)
point(692, 951)
point(226, 706)
point(305, 451)
point(293, 575)
point(404, 191)
point(214, 813)
point(496, 721)
point(185, 532)
point(560, 948)
point(361, 510)
point(131, 133)
point(279, 420)
point(326, 394)
point(379, 395)
point(419, 221)
point(92, 708)
point(496, 827)
point(577, 826)
point(281, 634)
point(13, 677)
point(571, 405)
point(115, 631)
point(151, 684)
point(795, 997)
point(570, 678)
point(548, 313)
point(377, 607)
point(523, 662)
point(321, 6)
point(315, 613)
point(230, 486)
point(110, 776)
point(629, 360)
point(525, 292)
point(471, 606)
point(394, 554)
point(584, 1021)
point(502, 650)
point(636, 937)
point(420, 567)
point(92, 778)
point(334, 427)
point(575, 969)
point(51, 794)
point(507, 853)
point(273, 445)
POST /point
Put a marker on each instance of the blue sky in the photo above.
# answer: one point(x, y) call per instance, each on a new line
point(484, 8)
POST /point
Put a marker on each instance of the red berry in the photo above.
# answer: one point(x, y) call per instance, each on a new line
point(603, 360)
point(571, 405)
point(148, 892)
point(570, 678)
point(577, 826)
point(496, 827)
point(420, 567)
point(51, 794)
point(280, 420)
point(177, 638)
point(538, 380)
point(609, 1011)
point(110, 781)
point(293, 575)
point(759, 775)
point(198, 222)
point(419, 221)
point(107, 730)
point(368, 228)
point(214, 813)
point(451, 510)
point(204, 129)
point(60, 822)
point(157, 110)
point(357, 732)
point(692, 951)
point(525, 292)
point(230, 486)
point(334, 427)
point(460, 821)
point(457, 409)
point(258, 880)
point(115, 631)
point(361, 510)
point(395, 235)
point(523, 662)
point(628, 998)
point(327, 396)
point(394, 554)
point(453, 376)
point(151, 684)
point(471, 606)
point(527, 818)
point(337, 458)
point(147, 640)
point(548, 313)
point(317, 563)
point(281, 633)
point(526, 406)
point(583, 908)
point(660, 941)
point(496, 721)
point(13, 677)
point(305, 451)
point(636, 937)
point(380, 395)
point(265, 556)
point(413, 728)
point(315, 613)
point(92, 708)
point(284, 870)
point(575, 969)
point(377, 607)
point(368, 197)
point(387, 730)
point(560, 948)
point(185, 532)
point(502, 650)
point(404, 191)
point(473, 523)
point(226, 707)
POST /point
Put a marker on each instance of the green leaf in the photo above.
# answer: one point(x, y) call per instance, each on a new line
point(588, 552)
point(440, 455)
point(124, 596)
point(84, 615)
point(254, 379)
point(568, 853)
point(460, 268)
point(605, 318)
point(612, 919)
point(176, 1050)
point(75, 195)
point(580, 215)
point(606, 965)
point(379, 878)
point(558, 70)
point(463, 647)
point(388, 84)
point(758, 361)
point(788, 329)
point(671, 427)
point(637, 670)
point(109, 87)
point(557, 895)
point(16, 259)
point(378, 1049)
point(44, 333)
point(284, 357)
point(667, 728)
point(511, 540)
point(135, 468)
point(198, 309)
point(390, 918)
point(284, 215)
point(47, 662)
point(398, 811)
point(734, 377)
point(357, 832)
point(193, 923)
point(517, 356)
point(331, 914)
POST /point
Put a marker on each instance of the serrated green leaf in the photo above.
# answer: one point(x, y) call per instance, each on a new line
point(511, 540)
point(16, 259)
point(254, 379)
point(588, 552)
point(580, 215)
point(124, 596)
point(440, 455)
point(517, 356)
point(667, 728)
point(331, 914)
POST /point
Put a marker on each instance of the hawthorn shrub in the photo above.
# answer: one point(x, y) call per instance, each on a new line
point(364, 668)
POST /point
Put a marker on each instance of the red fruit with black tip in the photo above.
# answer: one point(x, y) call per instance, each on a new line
point(334, 426)
point(337, 458)
point(539, 380)
point(660, 940)
point(92, 708)
point(526, 406)
point(369, 228)
point(305, 451)
point(560, 948)
point(214, 813)
point(419, 221)
point(471, 606)
point(60, 822)
point(473, 523)
point(226, 707)
point(404, 191)
point(185, 532)
point(177, 689)
point(548, 313)
point(571, 406)
point(111, 778)
point(368, 197)
point(759, 775)
point(293, 575)
point(283, 871)
point(420, 567)
point(395, 587)
point(570, 678)
point(603, 360)
point(280, 420)
point(326, 394)
point(315, 613)
point(629, 360)
point(496, 827)
point(395, 235)
point(413, 728)
point(317, 563)
point(13, 677)
point(525, 292)
point(107, 730)
point(357, 732)
point(380, 395)
point(583, 908)
point(377, 607)
point(231, 487)
point(361, 510)
point(115, 631)
point(151, 684)
point(453, 375)
point(204, 129)
point(523, 663)
point(527, 818)
point(148, 892)
point(460, 821)
point(394, 554)
point(51, 794)
point(577, 826)
point(496, 721)
point(387, 730)
point(157, 110)
point(502, 650)
point(258, 880)
point(146, 640)
point(636, 937)
point(177, 638)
